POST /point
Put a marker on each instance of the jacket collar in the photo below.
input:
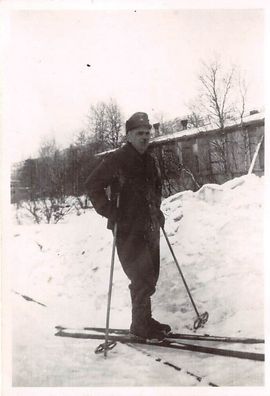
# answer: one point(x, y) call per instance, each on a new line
point(132, 151)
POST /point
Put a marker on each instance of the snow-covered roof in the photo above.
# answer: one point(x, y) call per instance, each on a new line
point(104, 152)
point(208, 128)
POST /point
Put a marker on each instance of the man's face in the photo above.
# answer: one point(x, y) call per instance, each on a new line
point(139, 138)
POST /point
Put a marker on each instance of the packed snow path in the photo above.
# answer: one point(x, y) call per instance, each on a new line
point(63, 271)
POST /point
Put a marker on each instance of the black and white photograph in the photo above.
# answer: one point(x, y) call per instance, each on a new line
point(133, 169)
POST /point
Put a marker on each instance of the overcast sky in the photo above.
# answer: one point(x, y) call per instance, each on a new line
point(145, 60)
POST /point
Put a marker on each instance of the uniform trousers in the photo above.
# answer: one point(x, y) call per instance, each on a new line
point(140, 258)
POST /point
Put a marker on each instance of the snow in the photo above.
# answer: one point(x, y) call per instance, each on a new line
point(217, 236)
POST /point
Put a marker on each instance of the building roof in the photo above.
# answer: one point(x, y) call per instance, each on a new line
point(249, 119)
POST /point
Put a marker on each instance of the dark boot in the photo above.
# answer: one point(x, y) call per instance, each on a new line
point(162, 327)
point(147, 333)
point(141, 319)
point(141, 323)
point(141, 314)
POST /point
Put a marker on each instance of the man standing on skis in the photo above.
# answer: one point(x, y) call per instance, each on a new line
point(130, 171)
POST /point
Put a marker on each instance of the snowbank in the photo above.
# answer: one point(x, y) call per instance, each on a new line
point(216, 234)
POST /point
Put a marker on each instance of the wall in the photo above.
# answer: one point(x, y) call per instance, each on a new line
point(216, 156)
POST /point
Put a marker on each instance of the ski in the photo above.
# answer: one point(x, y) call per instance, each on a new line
point(181, 336)
point(167, 342)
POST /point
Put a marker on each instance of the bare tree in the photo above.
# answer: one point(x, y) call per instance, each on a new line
point(81, 138)
point(105, 124)
point(222, 98)
point(240, 106)
point(32, 208)
point(165, 126)
point(46, 209)
point(168, 126)
point(114, 124)
point(52, 167)
point(240, 103)
point(98, 124)
point(48, 147)
point(214, 104)
point(175, 176)
point(195, 120)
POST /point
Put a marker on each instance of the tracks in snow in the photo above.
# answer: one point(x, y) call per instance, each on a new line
point(172, 365)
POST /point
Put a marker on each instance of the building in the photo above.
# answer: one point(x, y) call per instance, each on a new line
point(190, 158)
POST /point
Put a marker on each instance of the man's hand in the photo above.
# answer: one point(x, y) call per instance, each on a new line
point(114, 213)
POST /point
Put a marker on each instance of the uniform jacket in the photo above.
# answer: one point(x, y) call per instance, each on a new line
point(137, 179)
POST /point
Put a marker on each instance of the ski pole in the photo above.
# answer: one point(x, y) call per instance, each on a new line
point(201, 319)
point(109, 345)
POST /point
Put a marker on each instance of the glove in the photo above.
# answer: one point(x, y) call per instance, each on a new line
point(109, 209)
point(161, 219)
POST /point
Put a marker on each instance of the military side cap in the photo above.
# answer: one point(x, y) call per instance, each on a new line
point(137, 120)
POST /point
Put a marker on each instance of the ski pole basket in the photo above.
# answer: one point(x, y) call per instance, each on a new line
point(201, 320)
point(106, 346)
